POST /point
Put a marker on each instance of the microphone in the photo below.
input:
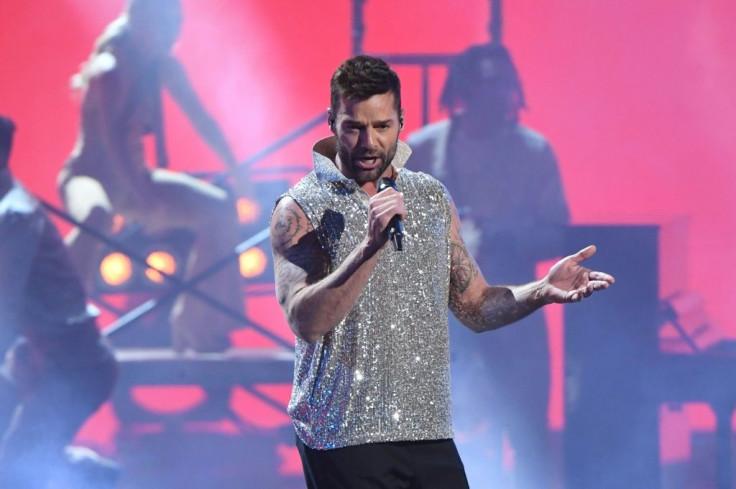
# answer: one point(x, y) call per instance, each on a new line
point(396, 226)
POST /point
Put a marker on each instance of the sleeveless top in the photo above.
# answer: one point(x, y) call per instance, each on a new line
point(383, 373)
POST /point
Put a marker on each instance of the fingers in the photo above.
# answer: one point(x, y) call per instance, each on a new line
point(390, 196)
point(593, 286)
point(586, 291)
point(386, 205)
point(584, 254)
point(383, 207)
point(604, 277)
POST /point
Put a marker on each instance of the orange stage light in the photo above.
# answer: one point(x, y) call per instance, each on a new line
point(253, 262)
point(160, 260)
point(248, 210)
point(116, 269)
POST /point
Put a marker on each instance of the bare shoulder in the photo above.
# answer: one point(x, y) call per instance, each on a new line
point(289, 224)
point(105, 83)
point(101, 65)
point(102, 70)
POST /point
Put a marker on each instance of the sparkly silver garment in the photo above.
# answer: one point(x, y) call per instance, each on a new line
point(383, 373)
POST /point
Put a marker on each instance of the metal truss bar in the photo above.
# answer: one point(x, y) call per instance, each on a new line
point(273, 147)
point(179, 284)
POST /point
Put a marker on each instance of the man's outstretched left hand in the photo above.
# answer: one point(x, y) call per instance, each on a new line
point(569, 281)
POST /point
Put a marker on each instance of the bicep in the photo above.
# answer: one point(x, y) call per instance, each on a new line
point(466, 280)
point(299, 260)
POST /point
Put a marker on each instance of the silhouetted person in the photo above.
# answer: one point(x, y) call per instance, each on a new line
point(506, 185)
point(56, 371)
point(107, 174)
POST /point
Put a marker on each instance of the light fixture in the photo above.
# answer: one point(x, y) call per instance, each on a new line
point(253, 262)
point(115, 269)
point(163, 260)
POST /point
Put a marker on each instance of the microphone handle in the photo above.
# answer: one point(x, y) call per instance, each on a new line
point(396, 233)
point(396, 226)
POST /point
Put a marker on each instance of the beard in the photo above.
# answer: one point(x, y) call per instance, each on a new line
point(349, 160)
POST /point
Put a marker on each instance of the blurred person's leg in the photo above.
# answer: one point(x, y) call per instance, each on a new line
point(88, 203)
point(209, 212)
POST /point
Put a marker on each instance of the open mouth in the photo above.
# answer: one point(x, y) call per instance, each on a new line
point(368, 162)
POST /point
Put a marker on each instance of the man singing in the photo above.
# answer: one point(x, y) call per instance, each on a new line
point(371, 395)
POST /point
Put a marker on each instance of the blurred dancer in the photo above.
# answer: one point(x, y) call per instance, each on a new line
point(106, 174)
point(57, 371)
point(507, 188)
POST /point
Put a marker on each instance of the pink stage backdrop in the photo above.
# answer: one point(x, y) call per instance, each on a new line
point(637, 98)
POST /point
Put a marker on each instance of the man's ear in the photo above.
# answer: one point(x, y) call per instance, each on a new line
point(401, 119)
point(331, 120)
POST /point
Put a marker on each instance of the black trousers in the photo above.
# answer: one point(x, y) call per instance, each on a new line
point(433, 464)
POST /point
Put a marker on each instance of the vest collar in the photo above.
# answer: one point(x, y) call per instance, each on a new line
point(324, 154)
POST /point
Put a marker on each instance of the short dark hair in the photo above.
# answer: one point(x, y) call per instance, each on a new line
point(466, 71)
point(7, 128)
point(362, 77)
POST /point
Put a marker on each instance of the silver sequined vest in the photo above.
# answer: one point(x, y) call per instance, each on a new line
point(383, 373)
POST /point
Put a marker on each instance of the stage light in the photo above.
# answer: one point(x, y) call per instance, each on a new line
point(115, 269)
point(253, 262)
point(161, 251)
point(249, 211)
point(160, 260)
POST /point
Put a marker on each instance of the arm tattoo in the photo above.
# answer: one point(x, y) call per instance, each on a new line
point(287, 226)
point(286, 272)
point(298, 257)
point(303, 260)
point(462, 269)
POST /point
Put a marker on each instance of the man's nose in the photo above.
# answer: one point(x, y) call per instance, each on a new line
point(368, 138)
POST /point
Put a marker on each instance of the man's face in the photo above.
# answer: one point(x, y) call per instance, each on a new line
point(493, 95)
point(367, 135)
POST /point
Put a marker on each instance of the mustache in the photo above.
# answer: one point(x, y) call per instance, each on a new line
point(368, 154)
